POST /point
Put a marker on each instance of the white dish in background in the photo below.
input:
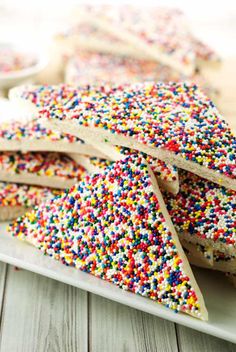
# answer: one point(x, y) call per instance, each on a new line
point(14, 78)
point(220, 296)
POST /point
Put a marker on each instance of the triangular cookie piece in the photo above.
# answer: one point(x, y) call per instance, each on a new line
point(161, 33)
point(85, 35)
point(204, 213)
point(31, 136)
point(15, 199)
point(173, 122)
point(166, 174)
point(91, 164)
point(43, 169)
point(205, 55)
point(97, 68)
point(116, 227)
point(220, 261)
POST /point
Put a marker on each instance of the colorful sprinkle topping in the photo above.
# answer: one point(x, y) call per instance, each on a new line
point(176, 117)
point(203, 209)
point(12, 60)
point(163, 32)
point(41, 164)
point(97, 68)
point(88, 36)
point(18, 131)
point(222, 257)
point(99, 163)
point(83, 31)
point(167, 179)
point(111, 225)
point(165, 171)
point(13, 194)
point(204, 52)
point(159, 167)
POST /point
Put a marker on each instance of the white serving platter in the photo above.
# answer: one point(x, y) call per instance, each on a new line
point(219, 295)
point(14, 78)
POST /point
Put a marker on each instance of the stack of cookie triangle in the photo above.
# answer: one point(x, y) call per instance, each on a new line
point(33, 161)
point(119, 44)
point(117, 224)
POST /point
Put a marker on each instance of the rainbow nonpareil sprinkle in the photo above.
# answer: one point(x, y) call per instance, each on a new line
point(18, 131)
point(165, 171)
point(40, 164)
point(32, 137)
point(12, 194)
point(204, 210)
point(97, 68)
point(159, 167)
point(166, 175)
point(174, 121)
point(112, 226)
point(12, 60)
point(162, 33)
point(205, 53)
point(100, 164)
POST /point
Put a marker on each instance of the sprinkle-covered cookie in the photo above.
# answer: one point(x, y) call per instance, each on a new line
point(44, 169)
point(167, 175)
point(115, 226)
point(13, 60)
point(91, 164)
point(31, 136)
point(162, 33)
point(204, 53)
point(166, 180)
point(203, 212)
point(16, 198)
point(90, 36)
point(226, 265)
point(86, 36)
point(97, 68)
point(173, 122)
point(160, 168)
point(33, 130)
point(13, 194)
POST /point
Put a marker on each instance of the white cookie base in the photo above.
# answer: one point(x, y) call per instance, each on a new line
point(36, 145)
point(99, 135)
point(32, 179)
point(11, 212)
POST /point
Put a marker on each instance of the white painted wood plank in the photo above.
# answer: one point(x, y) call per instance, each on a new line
point(194, 341)
point(115, 327)
point(42, 315)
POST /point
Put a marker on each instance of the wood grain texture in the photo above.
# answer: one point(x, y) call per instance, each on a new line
point(115, 327)
point(42, 315)
point(194, 341)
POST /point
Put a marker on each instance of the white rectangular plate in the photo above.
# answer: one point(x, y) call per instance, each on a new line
point(219, 295)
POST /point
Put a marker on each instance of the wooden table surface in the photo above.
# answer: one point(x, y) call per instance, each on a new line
point(41, 315)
